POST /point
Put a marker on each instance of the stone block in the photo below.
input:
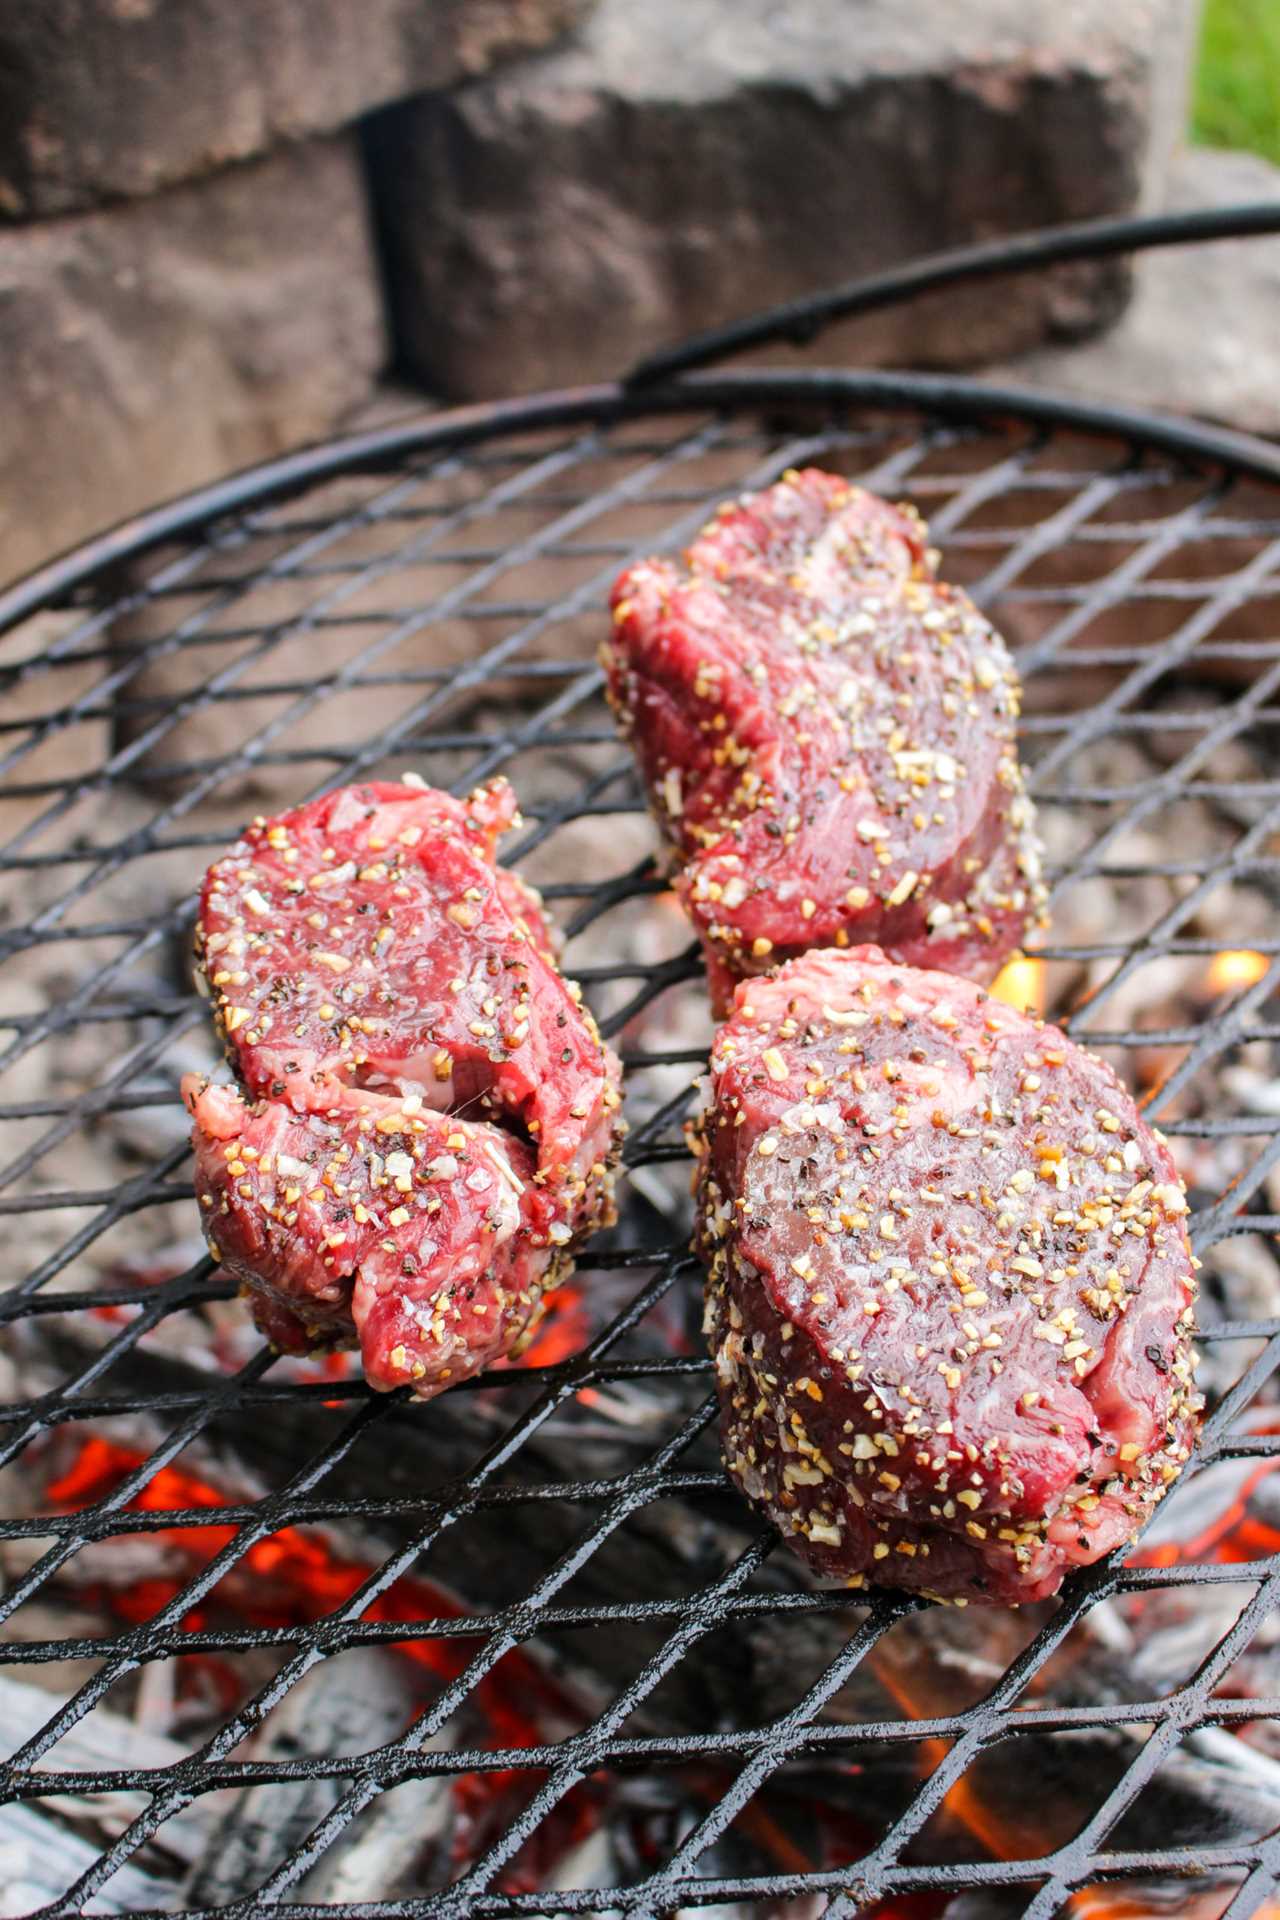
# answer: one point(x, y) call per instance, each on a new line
point(682, 163)
point(103, 98)
point(1202, 334)
point(152, 346)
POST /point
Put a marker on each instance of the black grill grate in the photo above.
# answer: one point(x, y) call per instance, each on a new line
point(432, 600)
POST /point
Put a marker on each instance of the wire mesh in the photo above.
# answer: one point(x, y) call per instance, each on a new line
point(440, 613)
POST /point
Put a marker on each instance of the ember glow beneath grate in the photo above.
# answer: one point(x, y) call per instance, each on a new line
point(272, 1640)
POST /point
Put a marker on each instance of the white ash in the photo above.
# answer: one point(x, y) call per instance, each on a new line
point(351, 1704)
point(46, 1844)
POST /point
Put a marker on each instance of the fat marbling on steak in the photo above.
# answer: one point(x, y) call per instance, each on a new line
point(826, 733)
point(949, 1283)
point(391, 1005)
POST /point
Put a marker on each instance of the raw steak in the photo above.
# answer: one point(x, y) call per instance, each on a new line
point(950, 1289)
point(365, 949)
point(826, 732)
point(407, 1228)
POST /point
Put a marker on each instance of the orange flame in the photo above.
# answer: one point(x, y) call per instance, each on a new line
point(1237, 1534)
point(1003, 1837)
point(1022, 982)
point(962, 1801)
point(1234, 969)
point(299, 1576)
point(842, 1842)
point(563, 1330)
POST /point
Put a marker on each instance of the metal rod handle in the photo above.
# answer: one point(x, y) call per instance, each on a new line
point(799, 321)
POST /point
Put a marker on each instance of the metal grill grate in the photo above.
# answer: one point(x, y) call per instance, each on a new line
point(432, 600)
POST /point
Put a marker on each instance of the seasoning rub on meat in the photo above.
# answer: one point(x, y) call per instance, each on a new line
point(826, 732)
point(429, 1119)
point(950, 1288)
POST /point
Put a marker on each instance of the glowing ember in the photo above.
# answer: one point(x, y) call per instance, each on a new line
point(1011, 1833)
point(1113, 1903)
point(298, 1576)
point(840, 1840)
point(295, 1576)
point(564, 1329)
point(1236, 1535)
point(1002, 1838)
point(1022, 983)
point(1234, 969)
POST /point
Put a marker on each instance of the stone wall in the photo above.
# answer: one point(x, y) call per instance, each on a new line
point(221, 224)
point(102, 99)
point(149, 348)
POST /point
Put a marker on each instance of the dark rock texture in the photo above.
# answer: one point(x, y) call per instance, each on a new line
point(148, 348)
point(678, 164)
point(102, 98)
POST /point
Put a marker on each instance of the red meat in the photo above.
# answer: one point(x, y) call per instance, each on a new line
point(950, 1289)
point(406, 1228)
point(367, 960)
point(826, 732)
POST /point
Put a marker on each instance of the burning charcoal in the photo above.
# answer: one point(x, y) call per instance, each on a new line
point(349, 1705)
point(1240, 1281)
point(1236, 762)
point(1256, 1091)
point(1147, 1899)
point(40, 1859)
point(1201, 1799)
point(935, 1664)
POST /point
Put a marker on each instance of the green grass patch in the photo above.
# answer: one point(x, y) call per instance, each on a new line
point(1236, 99)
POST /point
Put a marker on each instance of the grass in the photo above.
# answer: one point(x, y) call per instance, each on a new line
point(1237, 86)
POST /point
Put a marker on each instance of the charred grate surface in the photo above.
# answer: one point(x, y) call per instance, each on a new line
point(438, 610)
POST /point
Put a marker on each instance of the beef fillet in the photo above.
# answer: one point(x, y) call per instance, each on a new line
point(826, 732)
point(391, 1004)
point(950, 1288)
point(405, 1228)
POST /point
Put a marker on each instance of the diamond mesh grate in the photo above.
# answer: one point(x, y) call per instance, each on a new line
point(437, 608)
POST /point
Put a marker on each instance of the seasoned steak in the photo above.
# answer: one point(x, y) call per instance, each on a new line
point(367, 940)
point(826, 732)
point(412, 1231)
point(365, 948)
point(949, 1283)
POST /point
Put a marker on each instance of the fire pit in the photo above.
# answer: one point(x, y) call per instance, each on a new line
point(273, 1640)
